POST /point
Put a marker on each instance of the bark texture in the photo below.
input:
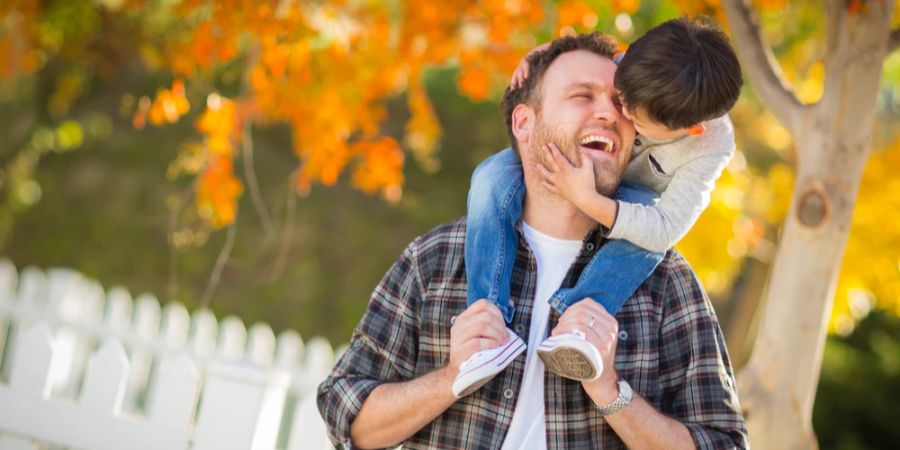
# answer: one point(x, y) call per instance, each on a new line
point(832, 138)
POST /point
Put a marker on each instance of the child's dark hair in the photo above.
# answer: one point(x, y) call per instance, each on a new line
point(529, 92)
point(680, 73)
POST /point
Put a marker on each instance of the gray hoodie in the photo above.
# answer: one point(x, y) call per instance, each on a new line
point(683, 172)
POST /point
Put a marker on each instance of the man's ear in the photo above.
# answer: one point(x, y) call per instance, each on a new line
point(697, 129)
point(523, 118)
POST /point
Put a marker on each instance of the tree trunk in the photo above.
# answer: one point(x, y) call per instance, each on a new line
point(832, 137)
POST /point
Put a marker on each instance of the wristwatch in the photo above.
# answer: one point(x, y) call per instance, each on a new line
point(624, 398)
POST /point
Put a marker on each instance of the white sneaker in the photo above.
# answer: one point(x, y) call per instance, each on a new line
point(570, 355)
point(482, 366)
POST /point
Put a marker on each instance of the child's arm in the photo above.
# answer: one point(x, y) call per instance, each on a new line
point(655, 228)
point(521, 73)
point(577, 185)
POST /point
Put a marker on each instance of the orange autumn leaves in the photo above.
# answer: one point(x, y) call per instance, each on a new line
point(325, 69)
point(217, 186)
point(168, 106)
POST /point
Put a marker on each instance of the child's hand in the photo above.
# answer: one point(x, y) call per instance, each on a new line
point(521, 72)
point(575, 184)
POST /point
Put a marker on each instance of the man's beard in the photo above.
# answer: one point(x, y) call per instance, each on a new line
point(606, 175)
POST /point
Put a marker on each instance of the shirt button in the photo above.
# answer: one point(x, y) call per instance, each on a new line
point(623, 335)
point(590, 246)
point(508, 394)
point(520, 328)
point(357, 343)
point(637, 142)
point(452, 320)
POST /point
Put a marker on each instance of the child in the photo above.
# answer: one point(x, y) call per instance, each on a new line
point(676, 84)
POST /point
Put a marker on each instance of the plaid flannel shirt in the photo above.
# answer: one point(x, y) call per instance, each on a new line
point(670, 349)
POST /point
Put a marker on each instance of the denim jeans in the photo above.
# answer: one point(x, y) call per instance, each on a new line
point(495, 205)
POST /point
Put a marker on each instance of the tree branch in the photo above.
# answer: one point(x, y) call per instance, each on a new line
point(216, 274)
point(247, 151)
point(760, 65)
point(287, 233)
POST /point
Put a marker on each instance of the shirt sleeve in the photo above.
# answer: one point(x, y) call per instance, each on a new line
point(697, 381)
point(382, 349)
point(658, 227)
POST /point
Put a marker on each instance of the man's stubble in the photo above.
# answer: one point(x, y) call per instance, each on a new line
point(606, 176)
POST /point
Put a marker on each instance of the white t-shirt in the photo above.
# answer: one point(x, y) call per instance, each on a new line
point(527, 430)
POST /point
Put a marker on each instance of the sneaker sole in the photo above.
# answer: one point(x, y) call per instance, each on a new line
point(568, 363)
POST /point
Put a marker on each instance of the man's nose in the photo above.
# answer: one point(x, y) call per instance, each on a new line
point(605, 110)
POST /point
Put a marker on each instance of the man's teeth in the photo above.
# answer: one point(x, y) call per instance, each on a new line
point(598, 142)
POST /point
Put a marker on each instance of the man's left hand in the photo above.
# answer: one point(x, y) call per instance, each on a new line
point(601, 329)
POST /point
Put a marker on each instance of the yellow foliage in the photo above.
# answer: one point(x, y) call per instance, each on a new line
point(870, 273)
point(715, 245)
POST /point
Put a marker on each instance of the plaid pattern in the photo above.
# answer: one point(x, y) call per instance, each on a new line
point(670, 350)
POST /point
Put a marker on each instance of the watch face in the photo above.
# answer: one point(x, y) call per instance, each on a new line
point(625, 390)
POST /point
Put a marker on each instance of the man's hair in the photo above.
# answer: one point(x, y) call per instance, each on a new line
point(529, 92)
point(681, 72)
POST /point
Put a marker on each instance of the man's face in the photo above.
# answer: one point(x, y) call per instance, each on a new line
point(579, 111)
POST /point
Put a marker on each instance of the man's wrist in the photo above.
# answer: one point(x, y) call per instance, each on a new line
point(603, 391)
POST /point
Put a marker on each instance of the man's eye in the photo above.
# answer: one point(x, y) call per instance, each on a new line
point(583, 95)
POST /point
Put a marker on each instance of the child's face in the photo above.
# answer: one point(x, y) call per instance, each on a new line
point(653, 130)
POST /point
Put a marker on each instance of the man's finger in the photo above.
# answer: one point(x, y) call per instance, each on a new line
point(483, 326)
point(482, 305)
point(555, 159)
point(546, 172)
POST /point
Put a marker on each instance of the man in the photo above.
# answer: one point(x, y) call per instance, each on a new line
point(666, 383)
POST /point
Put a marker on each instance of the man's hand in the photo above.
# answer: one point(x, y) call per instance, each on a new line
point(602, 330)
point(479, 327)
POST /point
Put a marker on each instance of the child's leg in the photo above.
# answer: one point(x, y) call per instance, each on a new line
point(494, 206)
point(617, 269)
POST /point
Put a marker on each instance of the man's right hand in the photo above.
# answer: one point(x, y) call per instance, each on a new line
point(479, 327)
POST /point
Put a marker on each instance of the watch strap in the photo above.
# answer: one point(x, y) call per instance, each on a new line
point(624, 398)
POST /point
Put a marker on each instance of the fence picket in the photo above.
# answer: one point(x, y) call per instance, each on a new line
point(174, 397)
point(232, 339)
point(176, 325)
point(289, 349)
point(308, 430)
point(240, 408)
point(203, 333)
point(33, 361)
point(104, 384)
point(242, 377)
point(32, 287)
point(9, 279)
point(118, 310)
point(261, 345)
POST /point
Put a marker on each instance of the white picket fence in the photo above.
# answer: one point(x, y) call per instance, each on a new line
point(90, 369)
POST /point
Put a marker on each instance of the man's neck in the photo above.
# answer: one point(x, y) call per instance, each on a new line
point(555, 217)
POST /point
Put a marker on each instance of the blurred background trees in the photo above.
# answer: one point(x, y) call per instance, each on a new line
point(271, 159)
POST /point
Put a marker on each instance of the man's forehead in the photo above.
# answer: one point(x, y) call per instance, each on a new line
point(581, 68)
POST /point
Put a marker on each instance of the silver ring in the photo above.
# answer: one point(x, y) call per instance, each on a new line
point(591, 323)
